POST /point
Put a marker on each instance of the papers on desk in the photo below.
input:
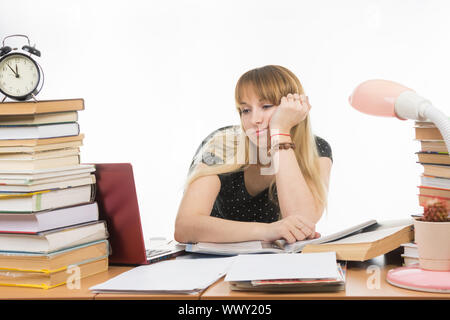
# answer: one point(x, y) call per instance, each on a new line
point(306, 272)
point(284, 272)
point(180, 276)
point(283, 266)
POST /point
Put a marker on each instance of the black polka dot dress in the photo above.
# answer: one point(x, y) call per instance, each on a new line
point(235, 203)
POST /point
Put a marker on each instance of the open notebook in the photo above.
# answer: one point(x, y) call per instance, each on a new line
point(279, 246)
point(118, 206)
point(359, 242)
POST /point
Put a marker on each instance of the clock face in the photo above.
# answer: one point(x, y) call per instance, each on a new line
point(19, 76)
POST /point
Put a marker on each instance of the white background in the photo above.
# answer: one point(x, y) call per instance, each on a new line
point(158, 76)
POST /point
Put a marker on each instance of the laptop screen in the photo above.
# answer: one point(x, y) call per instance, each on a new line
point(118, 206)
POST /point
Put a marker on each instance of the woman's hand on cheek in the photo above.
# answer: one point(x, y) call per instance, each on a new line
point(292, 110)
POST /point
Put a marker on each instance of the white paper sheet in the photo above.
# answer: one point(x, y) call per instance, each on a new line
point(283, 266)
point(173, 276)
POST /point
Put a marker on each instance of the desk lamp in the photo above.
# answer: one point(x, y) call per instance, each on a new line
point(391, 99)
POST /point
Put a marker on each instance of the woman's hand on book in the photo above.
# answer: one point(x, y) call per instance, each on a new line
point(292, 110)
point(291, 228)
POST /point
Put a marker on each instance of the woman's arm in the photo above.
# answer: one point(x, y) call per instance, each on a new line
point(294, 195)
point(194, 223)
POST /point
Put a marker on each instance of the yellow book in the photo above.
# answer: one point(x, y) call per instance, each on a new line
point(52, 262)
point(50, 280)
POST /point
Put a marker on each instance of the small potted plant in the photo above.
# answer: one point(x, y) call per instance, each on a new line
point(432, 235)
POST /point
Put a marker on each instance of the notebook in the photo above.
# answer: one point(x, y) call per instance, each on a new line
point(118, 206)
point(177, 276)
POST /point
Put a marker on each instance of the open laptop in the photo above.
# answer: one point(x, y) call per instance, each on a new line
point(118, 206)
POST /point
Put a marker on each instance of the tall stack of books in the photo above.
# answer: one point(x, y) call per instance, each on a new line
point(434, 158)
point(50, 232)
point(435, 179)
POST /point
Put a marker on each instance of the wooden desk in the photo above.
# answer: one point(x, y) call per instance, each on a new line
point(356, 288)
point(359, 285)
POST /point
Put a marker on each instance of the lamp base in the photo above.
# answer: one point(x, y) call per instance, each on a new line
point(415, 278)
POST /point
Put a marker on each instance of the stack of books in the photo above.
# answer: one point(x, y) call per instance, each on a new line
point(49, 220)
point(435, 179)
point(410, 254)
point(434, 158)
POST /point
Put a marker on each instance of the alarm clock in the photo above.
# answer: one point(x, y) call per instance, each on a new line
point(21, 77)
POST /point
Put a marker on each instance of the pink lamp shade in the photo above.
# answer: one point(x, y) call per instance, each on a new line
point(377, 97)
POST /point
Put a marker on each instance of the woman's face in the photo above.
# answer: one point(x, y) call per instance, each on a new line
point(255, 115)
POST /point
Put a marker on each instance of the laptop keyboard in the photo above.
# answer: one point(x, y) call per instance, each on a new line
point(156, 252)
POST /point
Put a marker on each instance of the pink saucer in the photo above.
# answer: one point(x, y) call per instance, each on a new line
point(414, 278)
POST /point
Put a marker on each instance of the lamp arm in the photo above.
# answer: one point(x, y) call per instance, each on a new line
point(410, 105)
point(441, 121)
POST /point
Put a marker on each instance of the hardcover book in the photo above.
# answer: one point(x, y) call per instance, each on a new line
point(433, 158)
point(63, 182)
point(53, 240)
point(43, 106)
point(52, 262)
point(43, 118)
point(50, 280)
point(39, 144)
point(43, 131)
point(46, 200)
point(374, 241)
point(47, 220)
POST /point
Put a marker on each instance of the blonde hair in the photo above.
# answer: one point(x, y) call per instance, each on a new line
point(228, 150)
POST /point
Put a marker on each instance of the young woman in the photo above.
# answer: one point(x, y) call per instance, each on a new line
point(264, 180)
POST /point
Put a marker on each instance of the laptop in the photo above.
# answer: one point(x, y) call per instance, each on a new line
point(118, 206)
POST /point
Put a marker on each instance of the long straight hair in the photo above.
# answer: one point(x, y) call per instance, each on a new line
point(231, 146)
